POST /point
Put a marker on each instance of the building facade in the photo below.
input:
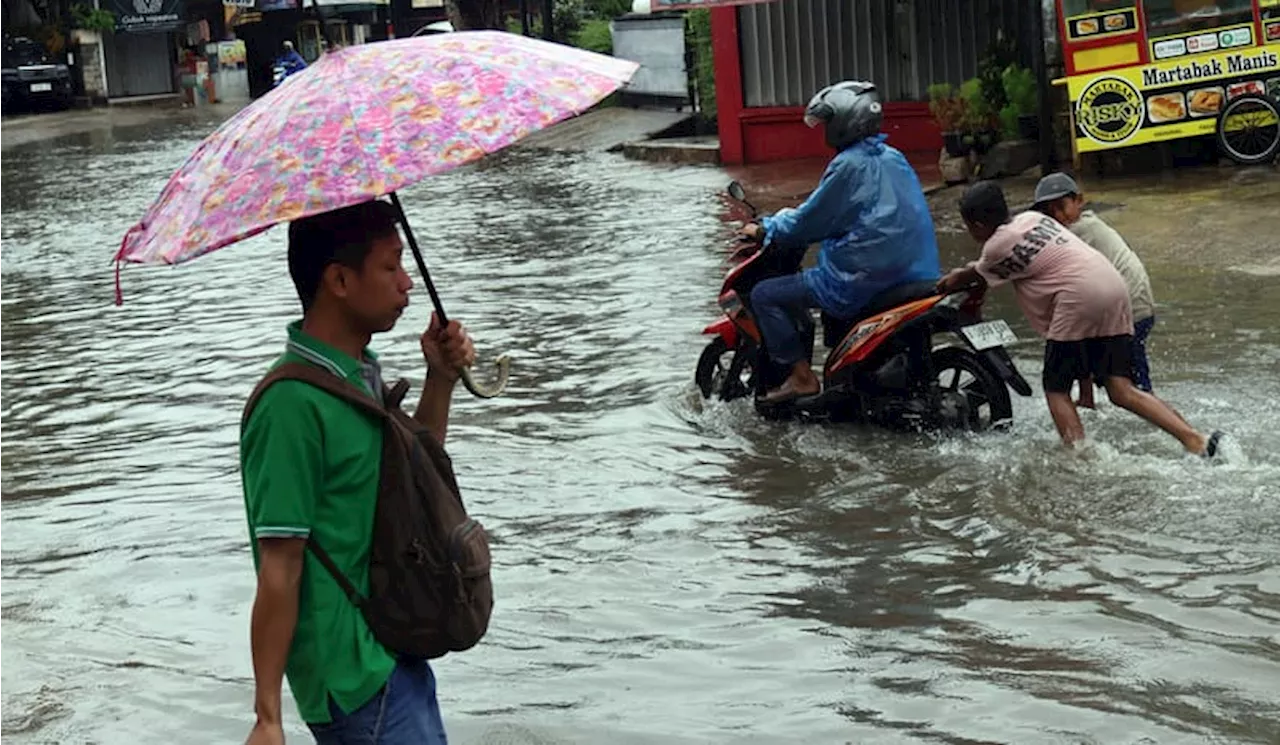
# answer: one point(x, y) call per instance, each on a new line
point(771, 57)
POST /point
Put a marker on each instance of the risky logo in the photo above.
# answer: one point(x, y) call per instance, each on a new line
point(1109, 110)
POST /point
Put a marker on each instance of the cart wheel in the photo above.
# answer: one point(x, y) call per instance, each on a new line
point(1249, 129)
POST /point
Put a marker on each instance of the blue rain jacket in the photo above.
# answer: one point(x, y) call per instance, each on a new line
point(292, 62)
point(876, 231)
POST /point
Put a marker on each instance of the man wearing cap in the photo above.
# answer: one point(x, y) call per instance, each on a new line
point(1058, 196)
point(1074, 298)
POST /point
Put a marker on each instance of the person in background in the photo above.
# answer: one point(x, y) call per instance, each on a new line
point(870, 214)
point(291, 60)
point(1073, 297)
point(1058, 197)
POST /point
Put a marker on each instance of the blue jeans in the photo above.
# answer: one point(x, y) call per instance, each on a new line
point(1141, 368)
point(404, 712)
point(781, 306)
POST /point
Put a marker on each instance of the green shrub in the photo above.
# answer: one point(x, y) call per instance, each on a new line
point(594, 36)
point(607, 9)
point(978, 113)
point(698, 37)
point(1020, 88)
point(947, 106)
point(92, 19)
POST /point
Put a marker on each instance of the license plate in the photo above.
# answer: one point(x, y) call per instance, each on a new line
point(41, 87)
point(990, 334)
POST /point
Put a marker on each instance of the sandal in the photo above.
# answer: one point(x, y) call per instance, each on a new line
point(784, 394)
point(1211, 447)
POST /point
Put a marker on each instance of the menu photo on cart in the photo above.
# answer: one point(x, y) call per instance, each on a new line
point(1207, 101)
point(1167, 107)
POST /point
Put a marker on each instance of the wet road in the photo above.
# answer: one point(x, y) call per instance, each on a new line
point(666, 572)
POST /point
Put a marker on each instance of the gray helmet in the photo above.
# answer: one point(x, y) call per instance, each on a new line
point(850, 111)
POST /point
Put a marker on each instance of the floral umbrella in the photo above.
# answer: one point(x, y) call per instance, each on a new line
point(362, 123)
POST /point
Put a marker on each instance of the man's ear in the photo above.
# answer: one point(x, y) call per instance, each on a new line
point(334, 279)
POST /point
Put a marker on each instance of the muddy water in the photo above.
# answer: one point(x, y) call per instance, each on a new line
point(667, 571)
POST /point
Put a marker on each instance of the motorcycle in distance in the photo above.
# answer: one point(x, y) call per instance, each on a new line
point(911, 359)
point(278, 75)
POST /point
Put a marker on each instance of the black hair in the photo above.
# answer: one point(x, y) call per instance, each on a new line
point(983, 204)
point(343, 236)
point(1046, 207)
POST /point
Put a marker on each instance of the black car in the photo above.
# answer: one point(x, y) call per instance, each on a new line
point(32, 76)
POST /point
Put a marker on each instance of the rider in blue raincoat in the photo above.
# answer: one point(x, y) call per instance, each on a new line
point(290, 60)
point(871, 216)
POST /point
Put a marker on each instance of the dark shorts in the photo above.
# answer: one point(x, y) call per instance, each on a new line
point(1100, 358)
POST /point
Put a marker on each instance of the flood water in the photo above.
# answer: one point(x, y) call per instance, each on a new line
point(666, 572)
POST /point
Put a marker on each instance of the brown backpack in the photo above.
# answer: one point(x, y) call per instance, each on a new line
point(429, 587)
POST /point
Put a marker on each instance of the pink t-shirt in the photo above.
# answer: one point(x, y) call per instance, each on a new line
point(1067, 290)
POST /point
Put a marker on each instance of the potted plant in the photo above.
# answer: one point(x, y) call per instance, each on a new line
point(948, 110)
point(980, 119)
point(90, 22)
point(1020, 112)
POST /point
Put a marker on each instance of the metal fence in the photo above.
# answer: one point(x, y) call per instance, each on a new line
point(791, 48)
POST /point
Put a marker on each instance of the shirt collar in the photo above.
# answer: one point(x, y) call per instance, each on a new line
point(330, 358)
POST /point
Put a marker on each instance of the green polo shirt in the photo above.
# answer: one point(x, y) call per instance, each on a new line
point(310, 465)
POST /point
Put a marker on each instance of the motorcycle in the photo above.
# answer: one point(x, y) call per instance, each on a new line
point(279, 74)
point(911, 359)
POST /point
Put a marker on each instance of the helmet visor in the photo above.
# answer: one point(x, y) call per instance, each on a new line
point(812, 121)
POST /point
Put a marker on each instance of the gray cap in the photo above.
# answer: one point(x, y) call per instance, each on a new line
point(1055, 186)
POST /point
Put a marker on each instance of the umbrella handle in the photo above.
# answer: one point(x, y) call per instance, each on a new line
point(503, 364)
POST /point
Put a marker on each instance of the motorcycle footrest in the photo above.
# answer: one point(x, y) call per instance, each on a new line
point(823, 402)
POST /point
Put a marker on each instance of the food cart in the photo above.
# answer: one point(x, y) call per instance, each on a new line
point(1149, 71)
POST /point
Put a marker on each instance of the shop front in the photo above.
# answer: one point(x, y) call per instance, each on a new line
point(1152, 71)
point(309, 25)
point(141, 55)
point(771, 57)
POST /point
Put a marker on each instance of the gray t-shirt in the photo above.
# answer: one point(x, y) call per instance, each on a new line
point(1106, 241)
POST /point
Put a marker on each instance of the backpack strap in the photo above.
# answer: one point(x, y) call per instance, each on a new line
point(348, 392)
point(322, 379)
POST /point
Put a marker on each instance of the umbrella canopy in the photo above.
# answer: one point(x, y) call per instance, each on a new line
point(364, 122)
point(361, 123)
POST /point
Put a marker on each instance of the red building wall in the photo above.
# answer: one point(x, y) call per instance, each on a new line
point(760, 135)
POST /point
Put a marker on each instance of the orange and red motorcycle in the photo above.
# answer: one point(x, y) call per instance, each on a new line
point(912, 358)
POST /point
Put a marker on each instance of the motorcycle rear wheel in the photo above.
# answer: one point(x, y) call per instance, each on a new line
point(959, 370)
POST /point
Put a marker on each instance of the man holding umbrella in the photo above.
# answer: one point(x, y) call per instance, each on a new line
point(309, 458)
point(310, 465)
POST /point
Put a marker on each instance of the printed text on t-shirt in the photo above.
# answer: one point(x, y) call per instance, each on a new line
point(1045, 231)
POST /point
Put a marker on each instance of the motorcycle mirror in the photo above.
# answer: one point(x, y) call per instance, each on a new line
point(737, 192)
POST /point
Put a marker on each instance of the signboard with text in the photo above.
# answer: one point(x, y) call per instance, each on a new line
point(147, 16)
point(1180, 96)
point(660, 5)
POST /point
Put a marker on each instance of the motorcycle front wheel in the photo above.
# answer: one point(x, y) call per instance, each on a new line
point(960, 372)
point(723, 372)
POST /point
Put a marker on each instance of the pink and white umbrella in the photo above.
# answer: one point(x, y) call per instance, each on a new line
point(362, 123)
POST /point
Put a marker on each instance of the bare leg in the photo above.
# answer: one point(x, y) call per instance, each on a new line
point(1065, 417)
point(1126, 395)
point(1086, 394)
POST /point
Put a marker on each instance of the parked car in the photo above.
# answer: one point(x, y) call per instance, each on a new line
point(32, 77)
point(439, 27)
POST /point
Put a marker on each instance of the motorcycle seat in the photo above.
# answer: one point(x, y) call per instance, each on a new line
point(835, 329)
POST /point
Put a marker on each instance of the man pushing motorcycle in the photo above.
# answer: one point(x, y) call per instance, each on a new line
point(870, 214)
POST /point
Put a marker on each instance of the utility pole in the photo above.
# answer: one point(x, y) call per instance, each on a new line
point(1048, 156)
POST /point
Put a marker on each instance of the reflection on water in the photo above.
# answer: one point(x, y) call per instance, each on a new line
point(668, 571)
